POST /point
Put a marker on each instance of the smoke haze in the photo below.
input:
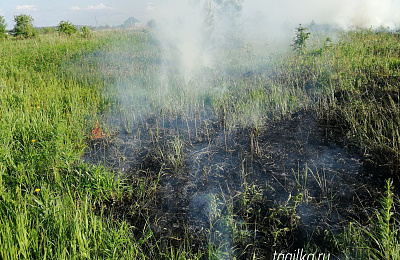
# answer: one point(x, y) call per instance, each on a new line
point(195, 33)
point(345, 13)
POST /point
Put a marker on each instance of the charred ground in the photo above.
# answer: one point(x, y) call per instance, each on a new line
point(247, 191)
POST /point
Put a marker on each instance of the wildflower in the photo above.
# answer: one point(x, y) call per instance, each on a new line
point(38, 107)
point(68, 114)
point(33, 140)
point(37, 190)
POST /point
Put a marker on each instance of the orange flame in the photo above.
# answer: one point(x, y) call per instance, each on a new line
point(97, 133)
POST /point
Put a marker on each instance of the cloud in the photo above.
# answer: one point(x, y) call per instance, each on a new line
point(150, 7)
point(26, 8)
point(92, 7)
point(99, 7)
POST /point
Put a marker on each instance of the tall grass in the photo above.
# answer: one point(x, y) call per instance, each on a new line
point(51, 203)
point(359, 77)
point(378, 240)
point(355, 83)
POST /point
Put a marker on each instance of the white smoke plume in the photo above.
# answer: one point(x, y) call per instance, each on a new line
point(191, 32)
point(345, 13)
point(194, 32)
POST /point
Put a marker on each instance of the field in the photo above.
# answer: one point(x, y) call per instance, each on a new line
point(109, 151)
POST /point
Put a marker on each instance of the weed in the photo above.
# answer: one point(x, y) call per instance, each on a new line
point(378, 240)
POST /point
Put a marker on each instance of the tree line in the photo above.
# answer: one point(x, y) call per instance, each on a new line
point(24, 28)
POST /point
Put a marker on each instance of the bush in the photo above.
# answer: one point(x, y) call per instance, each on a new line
point(66, 28)
point(86, 32)
point(24, 26)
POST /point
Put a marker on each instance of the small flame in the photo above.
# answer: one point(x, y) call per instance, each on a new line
point(97, 133)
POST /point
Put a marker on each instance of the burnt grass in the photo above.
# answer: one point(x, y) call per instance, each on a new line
point(245, 192)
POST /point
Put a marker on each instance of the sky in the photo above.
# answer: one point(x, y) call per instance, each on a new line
point(364, 13)
point(78, 12)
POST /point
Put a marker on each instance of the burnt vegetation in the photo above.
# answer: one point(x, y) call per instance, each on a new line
point(212, 183)
point(115, 154)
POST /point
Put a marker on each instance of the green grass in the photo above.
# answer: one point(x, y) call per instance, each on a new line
point(54, 89)
point(50, 203)
point(379, 239)
point(360, 77)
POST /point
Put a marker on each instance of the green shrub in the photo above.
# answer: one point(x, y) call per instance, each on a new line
point(66, 28)
point(86, 32)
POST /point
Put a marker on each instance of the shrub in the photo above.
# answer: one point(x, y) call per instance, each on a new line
point(86, 32)
point(66, 28)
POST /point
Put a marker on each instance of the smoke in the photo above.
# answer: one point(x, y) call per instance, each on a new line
point(180, 30)
point(195, 33)
point(345, 13)
point(275, 20)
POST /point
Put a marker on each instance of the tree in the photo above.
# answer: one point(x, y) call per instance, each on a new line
point(3, 26)
point(47, 30)
point(24, 26)
point(224, 16)
point(301, 37)
point(231, 5)
point(66, 28)
point(152, 23)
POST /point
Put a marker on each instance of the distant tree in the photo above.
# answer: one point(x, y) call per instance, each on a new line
point(24, 26)
point(66, 28)
point(86, 32)
point(230, 5)
point(3, 26)
point(224, 14)
point(47, 30)
point(152, 23)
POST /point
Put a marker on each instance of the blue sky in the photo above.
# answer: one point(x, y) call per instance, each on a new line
point(79, 12)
